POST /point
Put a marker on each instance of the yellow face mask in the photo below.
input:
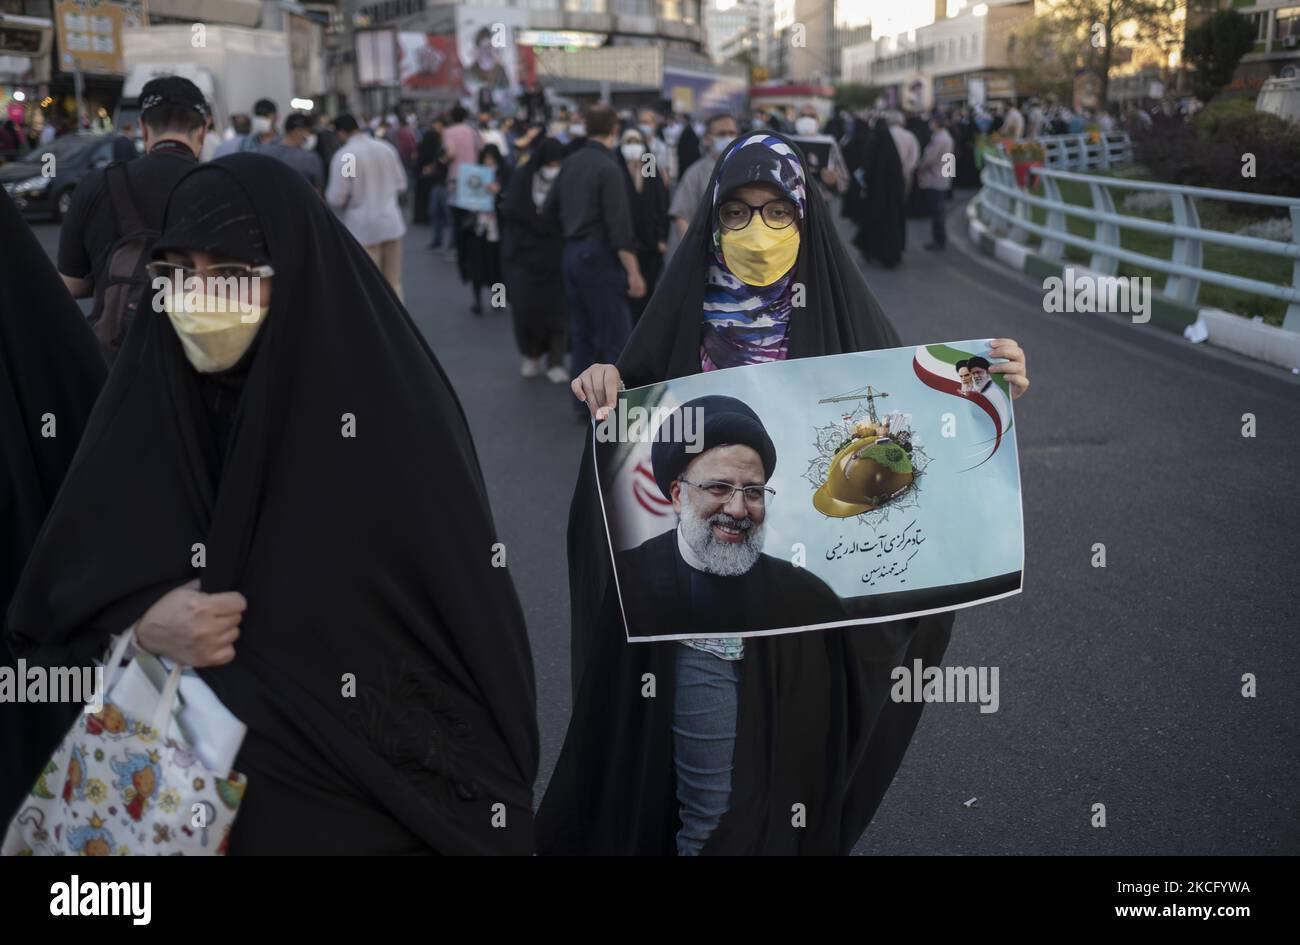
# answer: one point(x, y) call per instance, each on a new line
point(759, 255)
point(214, 340)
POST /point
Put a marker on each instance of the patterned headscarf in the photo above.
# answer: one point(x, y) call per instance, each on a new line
point(745, 324)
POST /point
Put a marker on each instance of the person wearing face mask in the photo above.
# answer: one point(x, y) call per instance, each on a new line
point(741, 728)
point(649, 201)
point(589, 206)
point(298, 149)
point(720, 131)
point(577, 136)
point(309, 442)
point(649, 124)
point(461, 144)
point(482, 268)
point(533, 258)
point(807, 123)
point(232, 139)
point(263, 131)
point(490, 132)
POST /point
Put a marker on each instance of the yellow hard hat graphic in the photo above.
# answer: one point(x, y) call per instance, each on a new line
point(864, 475)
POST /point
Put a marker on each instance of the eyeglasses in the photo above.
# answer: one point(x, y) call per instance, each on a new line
point(723, 491)
point(778, 213)
point(161, 269)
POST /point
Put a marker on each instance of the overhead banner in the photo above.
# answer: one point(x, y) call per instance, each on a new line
point(810, 494)
point(485, 38)
point(428, 61)
point(702, 94)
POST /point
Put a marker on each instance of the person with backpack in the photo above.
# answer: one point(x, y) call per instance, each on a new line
point(117, 212)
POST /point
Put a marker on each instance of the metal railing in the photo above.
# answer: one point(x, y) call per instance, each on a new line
point(1080, 153)
point(1005, 208)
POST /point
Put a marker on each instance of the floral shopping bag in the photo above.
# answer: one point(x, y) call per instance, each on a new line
point(124, 782)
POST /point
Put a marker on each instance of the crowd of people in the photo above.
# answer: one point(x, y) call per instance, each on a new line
point(308, 442)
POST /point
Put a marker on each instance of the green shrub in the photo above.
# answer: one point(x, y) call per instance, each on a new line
point(1212, 150)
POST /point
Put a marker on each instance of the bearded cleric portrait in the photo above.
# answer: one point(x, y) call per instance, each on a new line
point(710, 572)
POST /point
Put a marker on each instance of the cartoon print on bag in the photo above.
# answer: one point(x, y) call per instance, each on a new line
point(110, 722)
point(92, 839)
point(138, 780)
point(76, 774)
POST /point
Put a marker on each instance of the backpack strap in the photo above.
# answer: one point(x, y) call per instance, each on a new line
point(122, 198)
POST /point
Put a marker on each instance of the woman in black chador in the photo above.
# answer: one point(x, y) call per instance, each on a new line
point(532, 257)
point(51, 370)
point(809, 716)
point(880, 218)
point(311, 458)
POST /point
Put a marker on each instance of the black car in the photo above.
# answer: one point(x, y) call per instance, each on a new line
point(41, 186)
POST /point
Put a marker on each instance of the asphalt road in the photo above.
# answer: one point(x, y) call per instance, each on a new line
point(1119, 685)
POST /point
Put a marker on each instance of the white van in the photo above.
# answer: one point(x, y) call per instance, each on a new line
point(1280, 97)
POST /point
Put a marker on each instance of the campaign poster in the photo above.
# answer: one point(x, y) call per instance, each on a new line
point(472, 183)
point(485, 41)
point(814, 493)
point(821, 151)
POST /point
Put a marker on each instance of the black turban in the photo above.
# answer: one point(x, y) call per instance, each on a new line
point(727, 422)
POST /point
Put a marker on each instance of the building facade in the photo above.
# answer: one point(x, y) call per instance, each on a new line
point(1277, 44)
point(954, 60)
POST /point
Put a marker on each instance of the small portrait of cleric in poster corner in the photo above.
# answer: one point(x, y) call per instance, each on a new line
point(980, 381)
point(963, 375)
point(709, 575)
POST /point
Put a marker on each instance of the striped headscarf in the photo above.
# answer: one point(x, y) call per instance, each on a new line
point(745, 324)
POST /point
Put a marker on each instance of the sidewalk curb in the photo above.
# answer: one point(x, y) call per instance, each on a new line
point(1267, 343)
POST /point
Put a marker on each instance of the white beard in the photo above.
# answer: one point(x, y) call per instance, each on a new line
point(719, 557)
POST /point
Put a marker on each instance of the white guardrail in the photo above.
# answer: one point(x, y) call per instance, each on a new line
point(1080, 153)
point(1005, 209)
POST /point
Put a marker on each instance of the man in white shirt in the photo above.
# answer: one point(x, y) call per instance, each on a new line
point(366, 176)
point(909, 149)
point(933, 180)
point(1013, 126)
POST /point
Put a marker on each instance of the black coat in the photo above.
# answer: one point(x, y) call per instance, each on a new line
point(649, 212)
point(532, 252)
point(774, 593)
point(882, 224)
point(51, 368)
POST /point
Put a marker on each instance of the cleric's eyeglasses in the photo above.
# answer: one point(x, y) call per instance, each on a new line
point(778, 213)
point(756, 496)
point(161, 269)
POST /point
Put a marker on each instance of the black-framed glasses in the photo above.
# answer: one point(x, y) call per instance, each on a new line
point(777, 213)
point(723, 491)
point(161, 269)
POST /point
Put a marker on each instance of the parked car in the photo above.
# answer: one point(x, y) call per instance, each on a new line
point(42, 186)
point(1281, 97)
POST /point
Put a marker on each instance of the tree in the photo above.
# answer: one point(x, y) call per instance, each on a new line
point(1214, 47)
point(1043, 59)
point(1091, 31)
